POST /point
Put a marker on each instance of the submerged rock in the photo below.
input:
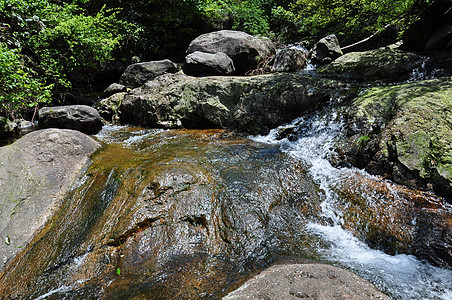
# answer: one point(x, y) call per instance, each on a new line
point(306, 281)
point(248, 104)
point(78, 117)
point(245, 50)
point(35, 174)
point(409, 133)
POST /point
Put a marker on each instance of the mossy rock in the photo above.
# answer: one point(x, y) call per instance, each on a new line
point(384, 64)
point(412, 123)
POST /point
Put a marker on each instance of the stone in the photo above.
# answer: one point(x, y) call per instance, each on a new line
point(387, 65)
point(409, 129)
point(113, 89)
point(137, 74)
point(252, 105)
point(289, 60)
point(245, 50)
point(325, 51)
point(78, 117)
point(7, 128)
point(108, 108)
point(35, 174)
point(208, 64)
point(306, 281)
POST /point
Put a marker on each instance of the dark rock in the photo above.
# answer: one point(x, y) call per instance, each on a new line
point(248, 104)
point(113, 89)
point(246, 51)
point(325, 51)
point(108, 108)
point(35, 173)
point(7, 128)
point(433, 30)
point(306, 281)
point(78, 117)
point(208, 64)
point(137, 74)
point(289, 60)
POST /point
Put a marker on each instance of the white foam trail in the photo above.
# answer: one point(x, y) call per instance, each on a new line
point(403, 276)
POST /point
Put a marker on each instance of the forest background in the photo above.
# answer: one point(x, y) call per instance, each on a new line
point(50, 47)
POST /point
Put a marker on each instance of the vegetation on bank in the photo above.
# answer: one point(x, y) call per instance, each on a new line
point(48, 46)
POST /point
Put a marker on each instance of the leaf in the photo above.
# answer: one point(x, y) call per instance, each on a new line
point(7, 240)
point(118, 271)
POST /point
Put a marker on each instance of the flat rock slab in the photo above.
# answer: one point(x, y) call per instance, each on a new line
point(35, 174)
point(306, 281)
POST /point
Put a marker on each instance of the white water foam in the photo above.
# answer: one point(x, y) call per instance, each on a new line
point(402, 276)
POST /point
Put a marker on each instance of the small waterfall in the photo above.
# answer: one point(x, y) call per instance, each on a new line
point(401, 276)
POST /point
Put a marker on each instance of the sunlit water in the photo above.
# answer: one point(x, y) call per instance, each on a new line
point(401, 276)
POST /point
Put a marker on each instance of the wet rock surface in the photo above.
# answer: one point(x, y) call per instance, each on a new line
point(306, 281)
point(251, 105)
point(77, 117)
point(35, 173)
point(186, 215)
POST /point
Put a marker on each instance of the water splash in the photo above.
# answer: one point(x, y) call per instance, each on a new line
point(402, 276)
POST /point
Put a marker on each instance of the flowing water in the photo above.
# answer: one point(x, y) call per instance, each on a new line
point(401, 276)
point(190, 214)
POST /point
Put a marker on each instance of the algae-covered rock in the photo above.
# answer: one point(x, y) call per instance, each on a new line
point(247, 104)
point(410, 127)
point(108, 108)
point(388, 65)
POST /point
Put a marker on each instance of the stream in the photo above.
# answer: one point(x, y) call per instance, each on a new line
point(193, 214)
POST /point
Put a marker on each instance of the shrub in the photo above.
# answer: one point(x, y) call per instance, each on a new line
point(19, 90)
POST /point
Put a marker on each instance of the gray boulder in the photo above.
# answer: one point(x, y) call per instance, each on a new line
point(108, 108)
point(289, 60)
point(78, 117)
point(306, 281)
point(326, 50)
point(113, 89)
point(248, 104)
point(35, 174)
point(208, 64)
point(245, 50)
point(137, 74)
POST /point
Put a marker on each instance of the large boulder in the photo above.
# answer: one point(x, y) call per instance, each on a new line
point(403, 132)
point(248, 104)
point(245, 50)
point(306, 281)
point(108, 108)
point(137, 74)
point(35, 174)
point(207, 64)
point(325, 51)
point(78, 117)
point(113, 89)
point(387, 64)
point(433, 30)
point(289, 60)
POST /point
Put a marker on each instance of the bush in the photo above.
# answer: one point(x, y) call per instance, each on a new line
point(19, 89)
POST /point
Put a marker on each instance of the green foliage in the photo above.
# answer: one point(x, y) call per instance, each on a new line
point(59, 41)
point(352, 20)
point(19, 89)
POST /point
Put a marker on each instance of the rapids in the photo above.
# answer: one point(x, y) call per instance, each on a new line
point(189, 214)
